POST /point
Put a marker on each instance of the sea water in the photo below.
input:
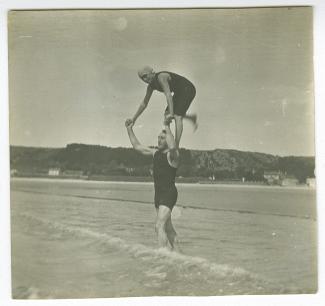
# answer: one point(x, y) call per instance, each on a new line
point(83, 239)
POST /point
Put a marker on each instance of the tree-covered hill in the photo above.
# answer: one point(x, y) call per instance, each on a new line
point(101, 160)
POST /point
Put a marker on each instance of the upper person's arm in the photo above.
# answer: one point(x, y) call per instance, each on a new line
point(148, 95)
point(164, 79)
point(143, 104)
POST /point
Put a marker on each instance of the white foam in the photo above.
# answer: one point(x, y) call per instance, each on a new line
point(188, 266)
point(149, 254)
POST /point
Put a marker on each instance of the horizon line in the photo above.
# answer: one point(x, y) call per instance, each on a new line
point(62, 147)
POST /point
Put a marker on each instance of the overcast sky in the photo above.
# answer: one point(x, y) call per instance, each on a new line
point(73, 76)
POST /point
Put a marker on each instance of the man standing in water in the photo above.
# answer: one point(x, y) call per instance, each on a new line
point(179, 93)
point(165, 164)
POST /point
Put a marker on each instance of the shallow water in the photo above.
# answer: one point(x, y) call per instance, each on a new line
point(79, 239)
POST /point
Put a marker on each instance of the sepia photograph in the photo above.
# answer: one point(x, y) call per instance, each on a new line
point(162, 152)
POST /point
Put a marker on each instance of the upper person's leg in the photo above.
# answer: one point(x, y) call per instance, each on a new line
point(178, 129)
point(163, 214)
point(193, 119)
point(182, 101)
point(178, 126)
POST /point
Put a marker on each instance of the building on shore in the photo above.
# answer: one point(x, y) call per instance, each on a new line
point(311, 182)
point(73, 173)
point(273, 177)
point(280, 178)
point(65, 173)
point(13, 172)
point(289, 181)
point(129, 170)
point(54, 172)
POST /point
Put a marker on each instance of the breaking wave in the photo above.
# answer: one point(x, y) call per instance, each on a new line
point(158, 262)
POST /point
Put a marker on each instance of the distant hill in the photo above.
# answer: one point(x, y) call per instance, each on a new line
point(101, 160)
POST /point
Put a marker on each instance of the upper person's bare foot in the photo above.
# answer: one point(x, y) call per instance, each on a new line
point(195, 123)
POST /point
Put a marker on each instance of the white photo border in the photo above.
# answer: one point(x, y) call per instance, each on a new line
point(319, 77)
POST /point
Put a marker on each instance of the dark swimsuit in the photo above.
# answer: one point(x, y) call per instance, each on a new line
point(184, 91)
point(164, 180)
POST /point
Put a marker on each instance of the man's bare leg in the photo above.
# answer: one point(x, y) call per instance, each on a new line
point(172, 235)
point(163, 214)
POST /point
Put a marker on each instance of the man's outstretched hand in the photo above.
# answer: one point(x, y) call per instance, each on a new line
point(129, 123)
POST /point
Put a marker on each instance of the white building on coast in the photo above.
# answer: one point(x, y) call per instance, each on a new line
point(54, 172)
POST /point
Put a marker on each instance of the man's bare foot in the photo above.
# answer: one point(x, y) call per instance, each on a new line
point(176, 247)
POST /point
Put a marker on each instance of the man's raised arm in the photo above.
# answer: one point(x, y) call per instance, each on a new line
point(134, 141)
point(172, 146)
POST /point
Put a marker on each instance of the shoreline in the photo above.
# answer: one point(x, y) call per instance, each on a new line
point(182, 184)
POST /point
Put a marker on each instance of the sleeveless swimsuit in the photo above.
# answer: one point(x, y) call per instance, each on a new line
point(164, 181)
point(184, 91)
